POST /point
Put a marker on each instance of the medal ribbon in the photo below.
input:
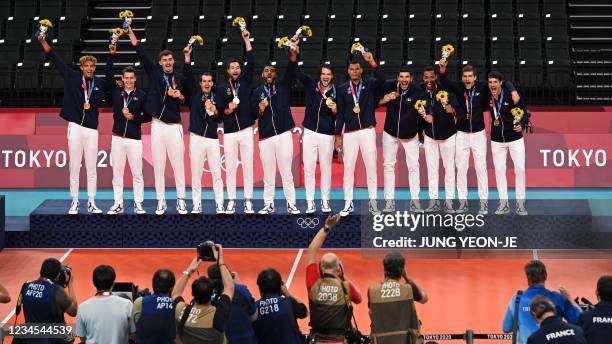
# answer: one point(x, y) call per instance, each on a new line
point(468, 102)
point(324, 92)
point(234, 89)
point(167, 80)
point(355, 94)
point(497, 106)
point(87, 88)
point(402, 92)
point(127, 98)
point(270, 91)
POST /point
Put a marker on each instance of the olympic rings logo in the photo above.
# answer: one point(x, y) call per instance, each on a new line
point(306, 222)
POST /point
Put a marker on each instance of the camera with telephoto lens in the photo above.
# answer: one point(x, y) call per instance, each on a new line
point(206, 251)
point(64, 276)
point(584, 304)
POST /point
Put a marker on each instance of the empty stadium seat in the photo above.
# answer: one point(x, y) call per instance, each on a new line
point(473, 7)
point(446, 25)
point(395, 7)
point(447, 7)
point(17, 29)
point(209, 28)
point(559, 73)
point(213, 8)
point(266, 9)
point(231, 50)
point(33, 53)
point(261, 49)
point(312, 51)
point(419, 25)
point(555, 24)
point(501, 26)
point(286, 25)
point(26, 76)
point(473, 52)
point(50, 9)
point(186, 8)
point(421, 7)
point(338, 50)
point(501, 7)
point(242, 8)
point(418, 51)
point(501, 51)
point(262, 27)
point(531, 73)
point(182, 28)
point(25, 9)
point(554, 7)
point(9, 51)
point(295, 8)
point(392, 51)
point(528, 7)
point(161, 9)
point(156, 29)
point(6, 74)
point(472, 24)
point(5, 9)
point(76, 9)
point(69, 29)
point(342, 8)
point(366, 25)
point(368, 7)
point(340, 27)
point(392, 26)
point(316, 24)
point(557, 47)
point(530, 48)
point(528, 25)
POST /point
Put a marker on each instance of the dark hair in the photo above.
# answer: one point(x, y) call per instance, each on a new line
point(202, 290)
point(405, 69)
point(163, 281)
point(326, 66)
point(207, 74)
point(128, 69)
point(354, 61)
point(393, 264)
point(165, 52)
point(269, 282)
point(50, 268)
point(536, 272)
point(604, 288)
point(495, 75)
point(469, 68)
point(541, 305)
point(104, 277)
point(233, 60)
point(429, 68)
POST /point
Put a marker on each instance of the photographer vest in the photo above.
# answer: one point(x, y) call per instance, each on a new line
point(199, 325)
point(39, 302)
point(156, 323)
point(330, 317)
point(393, 314)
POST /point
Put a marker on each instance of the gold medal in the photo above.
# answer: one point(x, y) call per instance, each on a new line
point(86, 106)
point(125, 110)
point(496, 122)
point(329, 102)
point(171, 92)
point(236, 100)
point(356, 109)
point(392, 95)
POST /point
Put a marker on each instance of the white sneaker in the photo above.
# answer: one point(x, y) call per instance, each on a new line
point(415, 206)
point(231, 207)
point(197, 208)
point(348, 208)
point(181, 206)
point(520, 209)
point(292, 209)
point(219, 208)
point(161, 207)
point(117, 208)
point(484, 208)
point(248, 207)
point(311, 207)
point(267, 209)
point(503, 208)
point(325, 207)
point(93, 209)
point(373, 207)
point(74, 208)
point(389, 206)
point(138, 209)
point(463, 207)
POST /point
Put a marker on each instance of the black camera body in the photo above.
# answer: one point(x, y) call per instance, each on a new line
point(206, 251)
point(64, 276)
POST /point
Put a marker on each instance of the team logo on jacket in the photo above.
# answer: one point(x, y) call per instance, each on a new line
point(96, 88)
point(228, 91)
point(136, 98)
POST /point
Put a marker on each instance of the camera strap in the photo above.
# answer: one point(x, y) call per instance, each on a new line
point(515, 323)
point(185, 316)
point(349, 304)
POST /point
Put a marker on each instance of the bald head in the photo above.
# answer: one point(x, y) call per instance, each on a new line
point(330, 261)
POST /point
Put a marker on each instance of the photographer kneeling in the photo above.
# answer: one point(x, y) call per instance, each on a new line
point(200, 321)
point(44, 300)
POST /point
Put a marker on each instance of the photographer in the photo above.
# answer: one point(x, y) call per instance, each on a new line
point(553, 330)
point(5, 297)
point(278, 311)
point(330, 313)
point(45, 300)
point(154, 314)
point(597, 322)
point(239, 328)
point(105, 318)
point(391, 303)
point(200, 321)
point(536, 274)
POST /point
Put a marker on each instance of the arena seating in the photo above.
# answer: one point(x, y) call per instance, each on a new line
point(553, 49)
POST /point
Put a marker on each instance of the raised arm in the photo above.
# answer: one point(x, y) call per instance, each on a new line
point(379, 75)
point(319, 239)
point(148, 64)
point(109, 77)
point(226, 277)
point(291, 72)
point(58, 62)
point(182, 282)
point(447, 84)
point(249, 68)
point(191, 85)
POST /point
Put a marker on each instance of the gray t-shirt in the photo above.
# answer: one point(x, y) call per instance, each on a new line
point(105, 320)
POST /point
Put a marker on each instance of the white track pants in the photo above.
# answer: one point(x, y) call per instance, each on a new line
point(232, 142)
point(203, 149)
point(273, 151)
point(167, 140)
point(517, 154)
point(363, 140)
point(434, 149)
point(82, 141)
point(123, 149)
point(317, 146)
point(477, 143)
point(411, 150)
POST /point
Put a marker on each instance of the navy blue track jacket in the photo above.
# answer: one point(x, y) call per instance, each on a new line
point(200, 123)
point(403, 121)
point(243, 117)
point(443, 125)
point(317, 116)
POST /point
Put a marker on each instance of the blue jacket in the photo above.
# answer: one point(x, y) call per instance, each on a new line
point(554, 331)
point(200, 123)
point(403, 121)
point(276, 118)
point(317, 116)
point(597, 323)
point(443, 125)
point(504, 132)
point(527, 325)
point(159, 104)
point(74, 94)
point(346, 118)
point(136, 100)
point(477, 98)
point(243, 117)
